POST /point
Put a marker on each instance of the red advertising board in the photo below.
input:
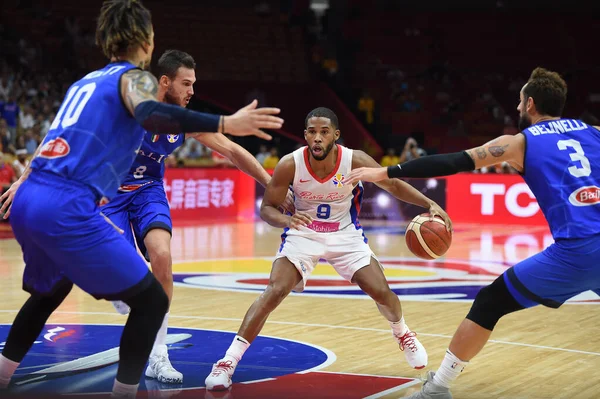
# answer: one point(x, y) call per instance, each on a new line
point(491, 198)
point(207, 194)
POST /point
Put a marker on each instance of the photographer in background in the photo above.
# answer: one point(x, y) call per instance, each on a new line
point(411, 151)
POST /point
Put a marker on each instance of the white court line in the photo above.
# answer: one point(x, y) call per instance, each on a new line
point(394, 389)
point(294, 323)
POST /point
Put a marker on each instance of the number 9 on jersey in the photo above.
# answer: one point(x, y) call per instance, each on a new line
point(324, 211)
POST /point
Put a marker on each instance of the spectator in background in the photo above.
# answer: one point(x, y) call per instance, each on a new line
point(411, 151)
point(194, 150)
point(7, 174)
point(10, 113)
point(366, 105)
point(4, 88)
point(5, 139)
point(272, 160)
point(20, 163)
point(20, 143)
point(44, 124)
point(262, 154)
point(31, 144)
point(26, 119)
point(390, 159)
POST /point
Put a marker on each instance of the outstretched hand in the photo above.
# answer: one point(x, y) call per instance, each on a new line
point(249, 121)
point(366, 175)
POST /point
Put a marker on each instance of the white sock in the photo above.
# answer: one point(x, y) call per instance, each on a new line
point(399, 328)
point(237, 349)
point(7, 369)
point(124, 390)
point(449, 370)
point(160, 346)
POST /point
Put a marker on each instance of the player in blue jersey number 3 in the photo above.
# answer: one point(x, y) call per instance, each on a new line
point(559, 160)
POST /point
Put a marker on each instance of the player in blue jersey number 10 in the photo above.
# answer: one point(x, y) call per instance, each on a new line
point(559, 160)
point(140, 207)
point(88, 150)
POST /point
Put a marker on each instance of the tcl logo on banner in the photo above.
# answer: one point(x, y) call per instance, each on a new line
point(197, 194)
point(502, 199)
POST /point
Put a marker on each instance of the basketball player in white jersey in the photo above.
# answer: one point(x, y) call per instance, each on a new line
point(325, 225)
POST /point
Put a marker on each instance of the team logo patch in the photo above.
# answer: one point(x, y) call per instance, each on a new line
point(448, 280)
point(172, 138)
point(585, 196)
point(338, 180)
point(55, 148)
point(155, 138)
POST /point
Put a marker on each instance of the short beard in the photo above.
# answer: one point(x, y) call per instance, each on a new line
point(326, 152)
point(524, 122)
point(171, 99)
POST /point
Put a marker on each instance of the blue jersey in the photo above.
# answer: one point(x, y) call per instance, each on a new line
point(149, 164)
point(93, 139)
point(562, 168)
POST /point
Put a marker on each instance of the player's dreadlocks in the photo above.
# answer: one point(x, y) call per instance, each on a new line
point(122, 24)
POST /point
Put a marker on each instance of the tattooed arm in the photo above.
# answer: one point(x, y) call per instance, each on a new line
point(506, 148)
point(138, 90)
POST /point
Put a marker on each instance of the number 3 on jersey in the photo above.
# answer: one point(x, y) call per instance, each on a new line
point(323, 211)
point(578, 155)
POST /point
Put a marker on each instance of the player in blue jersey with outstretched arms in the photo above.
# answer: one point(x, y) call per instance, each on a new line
point(141, 209)
point(85, 156)
point(559, 160)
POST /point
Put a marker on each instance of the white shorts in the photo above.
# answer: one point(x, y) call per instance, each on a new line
point(345, 250)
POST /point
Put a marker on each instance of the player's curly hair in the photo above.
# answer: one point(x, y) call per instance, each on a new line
point(549, 91)
point(122, 24)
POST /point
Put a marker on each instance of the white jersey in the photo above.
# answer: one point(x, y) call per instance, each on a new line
point(335, 233)
point(332, 204)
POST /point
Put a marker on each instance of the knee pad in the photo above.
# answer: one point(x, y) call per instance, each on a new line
point(152, 298)
point(491, 303)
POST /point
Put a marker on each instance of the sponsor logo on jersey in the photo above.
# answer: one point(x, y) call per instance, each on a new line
point(310, 196)
point(172, 138)
point(585, 196)
point(55, 148)
point(338, 180)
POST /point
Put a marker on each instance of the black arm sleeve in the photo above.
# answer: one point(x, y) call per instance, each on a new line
point(160, 118)
point(434, 166)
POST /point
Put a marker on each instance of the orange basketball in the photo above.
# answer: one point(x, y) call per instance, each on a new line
point(428, 239)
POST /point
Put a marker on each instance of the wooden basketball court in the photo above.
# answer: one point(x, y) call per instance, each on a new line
point(220, 269)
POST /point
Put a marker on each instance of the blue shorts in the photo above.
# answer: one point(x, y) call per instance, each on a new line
point(137, 212)
point(66, 240)
point(563, 270)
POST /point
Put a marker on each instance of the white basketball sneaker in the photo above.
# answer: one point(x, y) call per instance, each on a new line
point(414, 351)
point(160, 368)
point(121, 307)
point(219, 378)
